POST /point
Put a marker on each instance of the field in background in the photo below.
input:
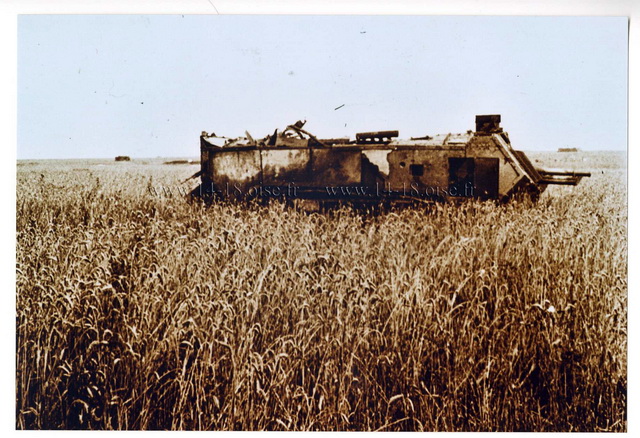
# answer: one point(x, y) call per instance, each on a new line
point(138, 310)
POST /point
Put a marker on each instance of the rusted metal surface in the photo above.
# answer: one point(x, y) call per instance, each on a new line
point(375, 167)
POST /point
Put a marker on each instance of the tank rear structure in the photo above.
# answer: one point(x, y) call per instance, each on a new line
point(375, 168)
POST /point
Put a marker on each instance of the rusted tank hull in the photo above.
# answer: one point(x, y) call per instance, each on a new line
point(372, 169)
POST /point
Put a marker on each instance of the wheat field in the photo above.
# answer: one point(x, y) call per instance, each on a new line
point(138, 310)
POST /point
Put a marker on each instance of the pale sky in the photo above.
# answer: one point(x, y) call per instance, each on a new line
point(92, 86)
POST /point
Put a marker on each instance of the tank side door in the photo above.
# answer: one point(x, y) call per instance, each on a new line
point(461, 172)
point(486, 178)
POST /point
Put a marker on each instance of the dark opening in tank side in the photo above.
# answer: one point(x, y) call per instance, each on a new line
point(486, 177)
point(461, 177)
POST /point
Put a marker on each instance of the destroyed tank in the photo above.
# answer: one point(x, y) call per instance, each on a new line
point(375, 168)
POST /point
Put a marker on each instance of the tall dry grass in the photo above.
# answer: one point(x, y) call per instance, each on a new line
point(147, 312)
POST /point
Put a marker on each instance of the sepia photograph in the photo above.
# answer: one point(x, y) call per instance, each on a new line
point(321, 223)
